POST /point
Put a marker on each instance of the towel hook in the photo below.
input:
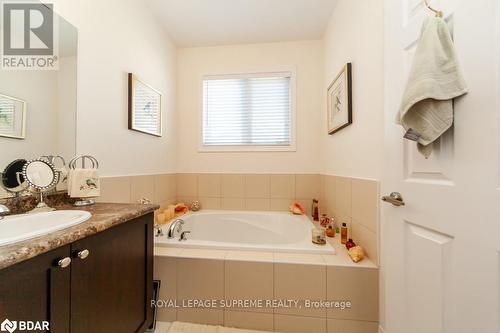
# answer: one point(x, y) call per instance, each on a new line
point(438, 12)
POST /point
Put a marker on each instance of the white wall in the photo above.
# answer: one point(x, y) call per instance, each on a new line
point(355, 34)
point(193, 63)
point(117, 37)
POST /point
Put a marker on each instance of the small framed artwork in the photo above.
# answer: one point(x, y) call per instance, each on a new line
point(144, 107)
point(339, 110)
point(12, 117)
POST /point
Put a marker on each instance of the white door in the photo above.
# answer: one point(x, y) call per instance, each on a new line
point(440, 253)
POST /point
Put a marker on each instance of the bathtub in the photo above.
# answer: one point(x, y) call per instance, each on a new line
point(246, 230)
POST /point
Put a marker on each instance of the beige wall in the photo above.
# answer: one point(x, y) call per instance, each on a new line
point(117, 37)
point(355, 34)
point(193, 63)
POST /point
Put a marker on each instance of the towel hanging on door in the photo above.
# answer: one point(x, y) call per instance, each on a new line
point(435, 80)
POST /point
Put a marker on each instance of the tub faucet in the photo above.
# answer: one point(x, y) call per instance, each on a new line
point(183, 236)
point(176, 225)
point(4, 211)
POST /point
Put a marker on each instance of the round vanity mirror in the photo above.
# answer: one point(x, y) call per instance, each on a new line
point(13, 180)
point(40, 174)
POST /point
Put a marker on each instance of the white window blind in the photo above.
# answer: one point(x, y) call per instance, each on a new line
point(247, 110)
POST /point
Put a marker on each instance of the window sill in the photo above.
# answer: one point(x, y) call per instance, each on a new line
point(246, 149)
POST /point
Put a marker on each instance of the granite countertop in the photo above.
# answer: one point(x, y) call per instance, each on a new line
point(104, 216)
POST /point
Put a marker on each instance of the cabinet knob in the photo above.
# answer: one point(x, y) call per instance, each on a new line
point(83, 254)
point(64, 262)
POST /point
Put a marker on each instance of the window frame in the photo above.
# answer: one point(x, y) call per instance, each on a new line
point(292, 147)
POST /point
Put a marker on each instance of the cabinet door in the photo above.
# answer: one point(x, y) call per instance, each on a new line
point(37, 290)
point(111, 288)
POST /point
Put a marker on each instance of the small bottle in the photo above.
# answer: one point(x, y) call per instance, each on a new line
point(350, 243)
point(315, 210)
point(343, 233)
point(325, 221)
point(330, 231)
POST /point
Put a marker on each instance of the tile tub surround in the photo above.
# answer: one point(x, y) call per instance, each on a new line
point(354, 201)
point(239, 275)
point(104, 216)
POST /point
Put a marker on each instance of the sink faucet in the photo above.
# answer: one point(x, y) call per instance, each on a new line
point(4, 210)
point(176, 225)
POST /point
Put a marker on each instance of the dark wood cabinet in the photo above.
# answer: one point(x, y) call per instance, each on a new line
point(108, 290)
point(37, 290)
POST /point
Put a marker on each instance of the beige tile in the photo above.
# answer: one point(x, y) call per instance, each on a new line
point(343, 195)
point(298, 258)
point(115, 190)
point(201, 316)
point(250, 256)
point(187, 185)
point(365, 203)
point(233, 186)
point(282, 205)
point(203, 254)
point(283, 186)
point(233, 203)
point(246, 280)
point(257, 186)
point(257, 204)
point(329, 195)
point(142, 187)
point(187, 200)
point(300, 282)
point(164, 187)
point(200, 279)
point(210, 203)
point(307, 186)
point(357, 285)
point(165, 269)
point(249, 320)
point(209, 185)
point(367, 239)
point(295, 324)
point(351, 326)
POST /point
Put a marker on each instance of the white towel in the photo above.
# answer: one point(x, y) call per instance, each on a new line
point(435, 80)
point(83, 183)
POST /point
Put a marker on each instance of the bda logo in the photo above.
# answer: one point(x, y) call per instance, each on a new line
point(8, 326)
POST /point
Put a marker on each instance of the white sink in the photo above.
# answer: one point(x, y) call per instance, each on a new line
point(17, 228)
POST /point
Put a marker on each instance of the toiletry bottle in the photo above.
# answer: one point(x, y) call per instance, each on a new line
point(325, 221)
point(350, 243)
point(343, 233)
point(330, 231)
point(315, 210)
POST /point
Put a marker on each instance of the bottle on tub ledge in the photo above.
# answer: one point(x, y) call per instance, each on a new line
point(343, 233)
point(315, 210)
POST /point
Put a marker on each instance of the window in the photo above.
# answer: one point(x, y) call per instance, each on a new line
point(248, 112)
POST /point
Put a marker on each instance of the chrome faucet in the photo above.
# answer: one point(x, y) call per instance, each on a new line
point(4, 211)
point(176, 225)
point(183, 236)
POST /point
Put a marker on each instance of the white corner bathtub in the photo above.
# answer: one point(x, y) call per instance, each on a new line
point(246, 230)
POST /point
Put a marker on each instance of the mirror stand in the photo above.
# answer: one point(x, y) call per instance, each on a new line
point(41, 207)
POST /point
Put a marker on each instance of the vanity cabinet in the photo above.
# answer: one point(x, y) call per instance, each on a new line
point(107, 287)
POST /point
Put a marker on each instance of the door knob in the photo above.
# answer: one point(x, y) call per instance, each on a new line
point(83, 254)
point(394, 198)
point(64, 262)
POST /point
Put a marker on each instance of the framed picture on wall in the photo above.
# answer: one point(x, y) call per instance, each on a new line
point(339, 104)
point(144, 107)
point(12, 117)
